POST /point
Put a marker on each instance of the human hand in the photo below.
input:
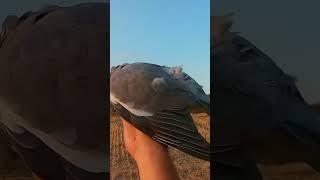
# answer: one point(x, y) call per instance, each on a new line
point(152, 158)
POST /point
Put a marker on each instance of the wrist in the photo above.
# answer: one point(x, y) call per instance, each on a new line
point(154, 162)
point(150, 152)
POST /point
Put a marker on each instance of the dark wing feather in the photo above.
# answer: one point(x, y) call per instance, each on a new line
point(171, 127)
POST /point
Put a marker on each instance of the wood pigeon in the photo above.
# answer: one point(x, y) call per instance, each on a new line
point(158, 100)
point(53, 89)
point(259, 114)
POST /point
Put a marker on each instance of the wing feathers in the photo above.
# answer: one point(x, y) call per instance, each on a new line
point(174, 128)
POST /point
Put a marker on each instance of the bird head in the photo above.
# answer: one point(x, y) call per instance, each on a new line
point(220, 27)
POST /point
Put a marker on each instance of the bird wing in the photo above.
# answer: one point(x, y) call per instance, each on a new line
point(62, 141)
point(52, 72)
point(249, 71)
point(173, 127)
point(259, 86)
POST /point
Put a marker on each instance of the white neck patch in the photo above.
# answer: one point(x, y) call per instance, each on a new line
point(137, 112)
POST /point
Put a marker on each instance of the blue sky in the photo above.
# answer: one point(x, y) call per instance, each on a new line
point(165, 32)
